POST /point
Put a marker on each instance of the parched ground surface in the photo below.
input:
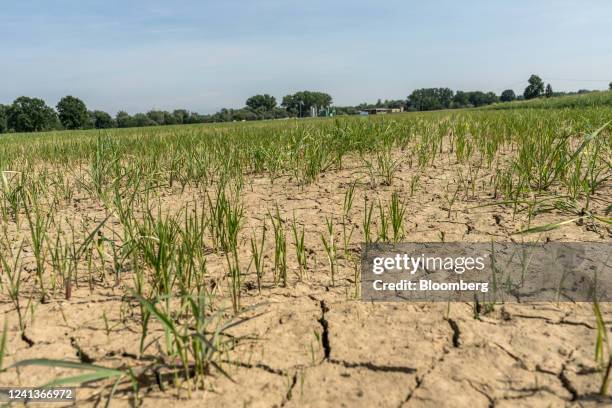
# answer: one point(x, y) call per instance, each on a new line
point(312, 344)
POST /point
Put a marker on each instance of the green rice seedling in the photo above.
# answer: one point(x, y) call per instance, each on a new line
point(347, 233)
point(191, 256)
point(397, 211)
point(119, 254)
point(125, 190)
point(602, 348)
point(258, 253)
point(194, 229)
point(59, 259)
point(451, 198)
point(3, 344)
point(280, 249)
point(316, 159)
point(12, 187)
point(387, 167)
point(544, 160)
point(274, 159)
point(158, 246)
point(104, 157)
point(347, 226)
point(525, 260)
point(174, 172)
point(73, 261)
point(473, 171)
point(233, 222)
point(349, 195)
point(11, 265)
point(383, 224)
point(370, 170)
point(574, 179)
point(356, 278)
point(107, 328)
point(197, 339)
point(596, 175)
point(89, 260)
point(603, 351)
point(414, 182)
point(75, 254)
point(235, 279)
point(224, 220)
point(367, 221)
point(300, 248)
point(579, 215)
point(38, 226)
point(329, 243)
point(99, 247)
point(145, 314)
point(62, 186)
point(258, 159)
point(92, 374)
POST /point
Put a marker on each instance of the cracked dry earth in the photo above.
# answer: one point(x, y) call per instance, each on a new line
point(312, 344)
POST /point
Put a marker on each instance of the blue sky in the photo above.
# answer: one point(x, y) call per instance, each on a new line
point(204, 55)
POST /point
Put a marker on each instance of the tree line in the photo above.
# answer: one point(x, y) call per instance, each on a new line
point(27, 114)
point(444, 98)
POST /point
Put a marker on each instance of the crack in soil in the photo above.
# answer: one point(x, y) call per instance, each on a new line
point(483, 393)
point(563, 379)
point(456, 332)
point(374, 367)
point(511, 355)
point(567, 384)
point(325, 334)
point(527, 392)
point(289, 394)
point(562, 321)
point(261, 366)
point(83, 357)
point(419, 381)
point(27, 340)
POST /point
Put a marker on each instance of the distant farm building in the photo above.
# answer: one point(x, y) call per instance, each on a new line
point(384, 111)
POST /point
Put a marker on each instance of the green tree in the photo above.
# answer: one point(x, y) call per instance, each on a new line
point(3, 118)
point(276, 113)
point(508, 95)
point(170, 119)
point(102, 120)
point(156, 116)
point(430, 99)
point(181, 116)
point(300, 103)
point(140, 119)
point(244, 114)
point(398, 103)
point(72, 112)
point(549, 91)
point(293, 105)
point(30, 115)
point(195, 117)
point(477, 98)
point(610, 86)
point(123, 119)
point(461, 99)
point(535, 87)
point(263, 102)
